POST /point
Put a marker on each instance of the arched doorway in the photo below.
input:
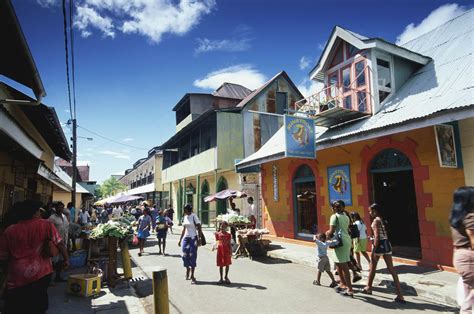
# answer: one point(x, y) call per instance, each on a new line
point(394, 189)
point(221, 204)
point(304, 195)
point(204, 205)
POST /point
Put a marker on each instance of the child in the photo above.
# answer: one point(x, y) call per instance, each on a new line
point(162, 224)
point(323, 260)
point(360, 243)
point(224, 252)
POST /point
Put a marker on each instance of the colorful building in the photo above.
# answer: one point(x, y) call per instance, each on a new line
point(213, 131)
point(394, 126)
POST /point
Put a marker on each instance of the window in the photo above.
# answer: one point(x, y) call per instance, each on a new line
point(333, 82)
point(346, 79)
point(348, 101)
point(361, 101)
point(281, 102)
point(351, 50)
point(384, 79)
point(359, 73)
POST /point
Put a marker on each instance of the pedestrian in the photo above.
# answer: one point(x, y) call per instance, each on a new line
point(170, 217)
point(154, 214)
point(381, 247)
point(72, 212)
point(323, 260)
point(162, 223)
point(84, 217)
point(62, 226)
point(29, 271)
point(189, 241)
point(360, 243)
point(251, 212)
point(224, 252)
point(339, 224)
point(353, 266)
point(144, 227)
point(104, 215)
point(462, 230)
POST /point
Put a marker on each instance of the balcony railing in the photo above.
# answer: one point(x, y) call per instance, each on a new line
point(337, 104)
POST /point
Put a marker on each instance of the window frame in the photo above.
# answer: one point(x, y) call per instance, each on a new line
point(390, 90)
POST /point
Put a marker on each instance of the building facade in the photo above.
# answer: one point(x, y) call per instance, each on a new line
point(398, 131)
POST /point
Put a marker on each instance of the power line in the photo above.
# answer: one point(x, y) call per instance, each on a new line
point(111, 140)
point(67, 58)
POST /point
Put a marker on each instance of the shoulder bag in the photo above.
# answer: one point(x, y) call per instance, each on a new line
point(202, 239)
point(354, 231)
point(336, 240)
point(49, 249)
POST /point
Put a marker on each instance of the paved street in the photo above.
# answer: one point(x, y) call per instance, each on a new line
point(257, 286)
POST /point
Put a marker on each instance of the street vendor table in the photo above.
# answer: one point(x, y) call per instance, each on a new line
point(251, 245)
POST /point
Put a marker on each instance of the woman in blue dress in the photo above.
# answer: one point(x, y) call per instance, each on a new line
point(144, 227)
point(189, 241)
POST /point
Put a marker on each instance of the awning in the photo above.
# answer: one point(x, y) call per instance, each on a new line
point(17, 62)
point(142, 189)
point(49, 175)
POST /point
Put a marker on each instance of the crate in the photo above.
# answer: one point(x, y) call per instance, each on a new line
point(84, 285)
point(78, 259)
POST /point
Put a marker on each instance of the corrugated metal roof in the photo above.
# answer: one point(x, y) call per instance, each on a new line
point(444, 83)
point(231, 90)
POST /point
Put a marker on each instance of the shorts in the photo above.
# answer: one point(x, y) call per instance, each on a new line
point(323, 263)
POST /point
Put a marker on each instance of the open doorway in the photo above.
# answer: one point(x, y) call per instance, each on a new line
point(394, 190)
point(304, 193)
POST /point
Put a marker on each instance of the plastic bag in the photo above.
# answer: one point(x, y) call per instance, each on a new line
point(135, 240)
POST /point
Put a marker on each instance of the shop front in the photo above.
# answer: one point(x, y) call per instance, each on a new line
point(401, 172)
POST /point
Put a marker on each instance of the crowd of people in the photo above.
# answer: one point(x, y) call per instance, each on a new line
point(34, 246)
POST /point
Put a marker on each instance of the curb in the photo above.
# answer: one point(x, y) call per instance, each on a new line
point(417, 289)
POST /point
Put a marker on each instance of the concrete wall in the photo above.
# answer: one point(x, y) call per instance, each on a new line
point(201, 163)
point(466, 130)
point(65, 197)
point(433, 191)
point(229, 139)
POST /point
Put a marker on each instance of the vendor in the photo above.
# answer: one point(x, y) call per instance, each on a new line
point(251, 212)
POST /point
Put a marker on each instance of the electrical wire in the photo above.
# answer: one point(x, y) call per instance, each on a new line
point(111, 140)
point(67, 58)
point(71, 35)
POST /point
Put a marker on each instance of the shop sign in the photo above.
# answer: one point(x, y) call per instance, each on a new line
point(340, 184)
point(248, 178)
point(446, 146)
point(275, 183)
point(299, 137)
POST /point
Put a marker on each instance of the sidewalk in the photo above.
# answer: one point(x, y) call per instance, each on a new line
point(121, 299)
point(436, 285)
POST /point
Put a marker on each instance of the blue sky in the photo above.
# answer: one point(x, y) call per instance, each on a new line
point(135, 59)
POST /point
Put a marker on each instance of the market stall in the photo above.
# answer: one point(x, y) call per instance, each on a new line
point(104, 240)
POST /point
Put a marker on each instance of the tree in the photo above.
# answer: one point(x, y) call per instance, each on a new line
point(112, 186)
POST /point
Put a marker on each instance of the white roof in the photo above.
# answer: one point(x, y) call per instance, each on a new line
point(439, 92)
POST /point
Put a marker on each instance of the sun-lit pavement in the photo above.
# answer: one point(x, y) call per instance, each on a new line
point(257, 286)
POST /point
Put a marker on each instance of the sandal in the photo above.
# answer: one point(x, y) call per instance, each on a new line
point(347, 294)
point(339, 289)
point(316, 283)
point(140, 254)
point(227, 281)
point(220, 282)
point(400, 301)
point(332, 285)
point(366, 291)
point(193, 281)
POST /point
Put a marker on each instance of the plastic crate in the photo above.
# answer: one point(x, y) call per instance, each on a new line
point(84, 285)
point(78, 259)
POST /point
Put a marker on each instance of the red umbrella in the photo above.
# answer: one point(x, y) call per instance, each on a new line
point(225, 194)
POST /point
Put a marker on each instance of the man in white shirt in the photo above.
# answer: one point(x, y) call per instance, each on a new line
point(84, 217)
point(117, 212)
point(251, 211)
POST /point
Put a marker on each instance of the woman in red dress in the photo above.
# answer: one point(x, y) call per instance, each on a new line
point(224, 252)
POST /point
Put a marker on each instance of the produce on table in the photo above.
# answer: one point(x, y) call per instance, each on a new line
point(233, 219)
point(118, 229)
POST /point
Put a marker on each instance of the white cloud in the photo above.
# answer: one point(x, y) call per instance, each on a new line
point(437, 17)
point(308, 87)
point(128, 139)
point(321, 46)
point(114, 154)
point(208, 45)
point(242, 74)
point(304, 62)
point(150, 18)
point(86, 17)
point(67, 111)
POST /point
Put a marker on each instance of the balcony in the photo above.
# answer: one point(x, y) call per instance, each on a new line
point(336, 104)
point(198, 164)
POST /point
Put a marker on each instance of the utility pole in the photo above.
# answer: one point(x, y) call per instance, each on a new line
point(74, 162)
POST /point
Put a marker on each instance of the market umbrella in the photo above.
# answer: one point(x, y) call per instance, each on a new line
point(106, 200)
point(126, 198)
point(225, 194)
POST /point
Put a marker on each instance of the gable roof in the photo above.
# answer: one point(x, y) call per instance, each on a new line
point(252, 95)
point(231, 90)
point(362, 42)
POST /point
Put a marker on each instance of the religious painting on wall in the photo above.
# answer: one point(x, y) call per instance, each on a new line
point(339, 178)
point(445, 143)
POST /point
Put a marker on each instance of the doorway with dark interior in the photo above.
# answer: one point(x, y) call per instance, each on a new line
point(394, 191)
